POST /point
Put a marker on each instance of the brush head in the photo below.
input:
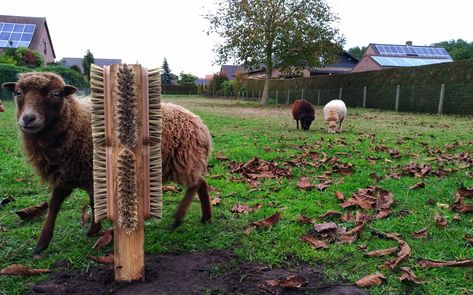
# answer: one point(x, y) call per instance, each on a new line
point(126, 107)
point(126, 191)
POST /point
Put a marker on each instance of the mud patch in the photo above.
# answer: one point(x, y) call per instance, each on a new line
point(211, 272)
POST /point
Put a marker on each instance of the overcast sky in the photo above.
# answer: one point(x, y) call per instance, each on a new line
point(147, 31)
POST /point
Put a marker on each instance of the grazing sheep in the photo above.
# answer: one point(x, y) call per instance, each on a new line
point(303, 111)
point(335, 112)
point(2, 108)
point(57, 137)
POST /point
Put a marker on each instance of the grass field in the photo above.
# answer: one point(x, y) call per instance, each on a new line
point(373, 142)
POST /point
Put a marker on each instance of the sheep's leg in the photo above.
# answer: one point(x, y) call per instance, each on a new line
point(95, 227)
point(297, 124)
point(204, 198)
point(58, 196)
point(340, 125)
point(185, 202)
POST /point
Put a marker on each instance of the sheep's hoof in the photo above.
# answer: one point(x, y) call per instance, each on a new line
point(206, 220)
point(94, 229)
point(37, 251)
point(175, 225)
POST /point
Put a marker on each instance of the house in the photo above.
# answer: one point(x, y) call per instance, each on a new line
point(78, 61)
point(344, 63)
point(29, 32)
point(230, 71)
point(384, 56)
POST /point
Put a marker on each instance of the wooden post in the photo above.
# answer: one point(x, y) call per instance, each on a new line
point(277, 96)
point(340, 93)
point(259, 94)
point(287, 101)
point(398, 92)
point(442, 94)
point(365, 91)
point(318, 97)
point(302, 93)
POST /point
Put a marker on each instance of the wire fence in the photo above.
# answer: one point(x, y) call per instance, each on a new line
point(434, 99)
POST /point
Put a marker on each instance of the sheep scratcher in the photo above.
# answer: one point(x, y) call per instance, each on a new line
point(126, 132)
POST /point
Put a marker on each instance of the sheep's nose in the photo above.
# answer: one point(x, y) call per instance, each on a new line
point(28, 119)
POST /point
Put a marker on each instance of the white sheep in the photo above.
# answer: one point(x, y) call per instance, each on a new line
point(335, 112)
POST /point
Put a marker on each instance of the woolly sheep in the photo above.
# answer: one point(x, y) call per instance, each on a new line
point(335, 112)
point(303, 111)
point(56, 134)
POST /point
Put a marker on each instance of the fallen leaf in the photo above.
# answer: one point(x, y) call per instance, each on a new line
point(171, 188)
point(85, 215)
point(21, 270)
point(417, 185)
point(462, 208)
point(339, 196)
point(442, 205)
point(32, 212)
point(245, 209)
point(443, 263)
point(440, 221)
point(104, 240)
point(6, 201)
point(402, 255)
point(216, 201)
point(315, 243)
point(408, 275)
point(329, 214)
point(384, 199)
point(305, 219)
point(371, 280)
point(293, 282)
point(304, 183)
point(420, 234)
point(382, 252)
point(268, 221)
point(457, 217)
point(464, 192)
point(107, 259)
point(326, 226)
point(468, 239)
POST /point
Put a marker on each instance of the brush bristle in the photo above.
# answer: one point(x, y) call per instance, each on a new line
point(126, 107)
point(97, 94)
point(127, 195)
point(155, 125)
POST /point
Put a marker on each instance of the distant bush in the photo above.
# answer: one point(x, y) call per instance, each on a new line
point(179, 89)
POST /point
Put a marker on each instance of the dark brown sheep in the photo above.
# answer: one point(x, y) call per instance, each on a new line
point(57, 137)
point(303, 111)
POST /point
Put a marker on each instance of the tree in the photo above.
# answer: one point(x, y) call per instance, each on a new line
point(166, 75)
point(86, 62)
point(458, 49)
point(357, 51)
point(187, 79)
point(285, 34)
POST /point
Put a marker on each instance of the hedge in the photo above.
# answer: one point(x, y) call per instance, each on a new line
point(8, 73)
point(179, 89)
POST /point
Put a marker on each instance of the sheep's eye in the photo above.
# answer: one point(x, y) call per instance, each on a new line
point(56, 94)
point(17, 93)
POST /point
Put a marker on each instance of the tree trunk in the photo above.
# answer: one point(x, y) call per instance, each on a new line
point(265, 95)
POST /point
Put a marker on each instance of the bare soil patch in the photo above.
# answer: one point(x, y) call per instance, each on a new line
point(210, 272)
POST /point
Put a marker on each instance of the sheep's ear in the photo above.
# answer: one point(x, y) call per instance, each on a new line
point(9, 85)
point(68, 90)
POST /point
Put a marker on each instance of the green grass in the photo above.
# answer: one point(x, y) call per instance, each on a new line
point(245, 130)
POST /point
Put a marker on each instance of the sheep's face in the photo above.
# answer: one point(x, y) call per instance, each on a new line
point(306, 121)
point(39, 99)
point(332, 126)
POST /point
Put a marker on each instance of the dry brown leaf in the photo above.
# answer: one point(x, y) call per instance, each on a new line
point(464, 192)
point(457, 217)
point(107, 259)
point(339, 196)
point(417, 185)
point(33, 211)
point(216, 201)
point(171, 188)
point(305, 219)
point(21, 270)
point(371, 280)
point(443, 263)
point(440, 221)
point(402, 255)
point(304, 183)
point(104, 240)
point(384, 200)
point(293, 282)
point(326, 226)
point(462, 208)
point(469, 239)
point(408, 275)
point(382, 252)
point(245, 209)
point(442, 205)
point(85, 215)
point(315, 243)
point(268, 221)
point(329, 214)
point(420, 234)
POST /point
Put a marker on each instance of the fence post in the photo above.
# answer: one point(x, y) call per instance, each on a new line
point(318, 97)
point(277, 95)
point(398, 91)
point(340, 93)
point(287, 101)
point(442, 94)
point(259, 94)
point(364, 96)
point(302, 93)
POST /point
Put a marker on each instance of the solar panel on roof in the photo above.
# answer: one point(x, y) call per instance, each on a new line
point(399, 50)
point(16, 35)
point(386, 61)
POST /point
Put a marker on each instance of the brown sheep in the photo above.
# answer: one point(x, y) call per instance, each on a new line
point(56, 134)
point(2, 108)
point(303, 111)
